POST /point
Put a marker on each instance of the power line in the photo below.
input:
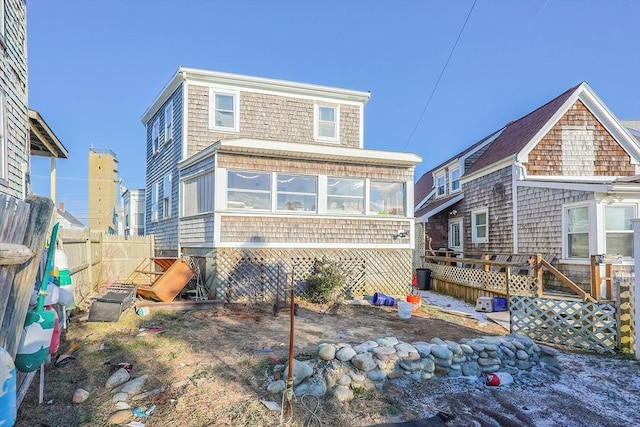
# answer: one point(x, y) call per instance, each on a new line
point(440, 77)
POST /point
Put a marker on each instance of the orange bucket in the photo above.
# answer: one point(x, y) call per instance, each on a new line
point(416, 301)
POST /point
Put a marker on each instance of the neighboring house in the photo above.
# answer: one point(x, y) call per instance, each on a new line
point(561, 180)
point(252, 173)
point(19, 124)
point(67, 220)
point(133, 202)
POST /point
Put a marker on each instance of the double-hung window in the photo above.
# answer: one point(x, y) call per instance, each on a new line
point(155, 194)
point(297, 193)
point(345, 195)
point(386, 198)
point(454, 179)
point(441, 184)
point(3, 136)
point(480, 226)
point(248, 190)
point(577, 231)
point(326, 124)
point(223, 111)
point(166, 196)
point(618, 230)
point(197, 194)
point(168, 123)
point(155, 135)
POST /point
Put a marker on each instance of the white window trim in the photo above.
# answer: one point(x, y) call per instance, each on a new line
point(155, 194)
point(474, 233)
point(593, 230)
point(451, 171)
point(604, 219)
point(213, 91)
point(459, 248)
point(155, 136)
point(438, 175)
point(168, 130)
point(316, 123)
point(165, 179)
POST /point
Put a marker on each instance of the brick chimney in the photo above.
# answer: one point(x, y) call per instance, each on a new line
point(61, 206)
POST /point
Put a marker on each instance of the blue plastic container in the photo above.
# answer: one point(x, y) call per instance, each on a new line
point(382, 299)
point(499, 304)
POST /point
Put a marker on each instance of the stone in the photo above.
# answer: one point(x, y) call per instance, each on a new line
point(553, 369)
point(333, 374)
point(490, 347)
point(550, 361)
point(490, 368)
point(396, 373)
point(365, 346)
point(120, 417)
point(528, 342)
point(524, 364)
point(466, 349)
point(384, 350)
point(509, 345)
point(411, 366)
point(456, 367)
point(476, 347)
point(455, 373)
point(483, 354)
point(122, 405)
point(424, 349)
point(276, 386)
point(454, 347)
point(345, 380)
point(388, 341)
point(459, 359)
point(475, 356)
point(441, 352)
point(443, 362)
point(120, 397)
point(356, 377)
point(442, 371)
point(428, 365)
point(522, 355)
point(134, 386)
point(548, 351)
point(342, 393)
point(438, 341)
point(345, 354)
point(376, 375)
point(507, 362)
point(301, 371)
point(119, 377)
point(414, 376)
point(414, 355)
point(408, 348)
point(314, 385)
point(518, 345)
point(327, 352)
point(485, 361)
point(509, 369)
point(364, 362)
point(80, 395)
point(510, 354)
point(470, 369)
point(535, 348)
point(402, 354)
point(492, 354)
point(427, 375)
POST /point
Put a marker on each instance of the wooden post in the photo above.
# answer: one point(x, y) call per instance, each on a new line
point(608, 281)
point(507, 275)
point(485, 257)
point(595, 277)
point(538, 273)
point(88, 259)
point(448, 256)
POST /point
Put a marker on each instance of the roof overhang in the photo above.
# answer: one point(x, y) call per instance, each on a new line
point(437, 209)
point(322, 153)
point(42, 140)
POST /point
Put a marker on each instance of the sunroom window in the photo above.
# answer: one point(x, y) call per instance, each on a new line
point(345, 195)
point(297, 193)
point(386, 198)
point(618, 230)
point(248, 190)
point(197, 194)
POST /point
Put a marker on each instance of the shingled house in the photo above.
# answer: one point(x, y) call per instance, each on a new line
point(561, 180)
point(258, 177)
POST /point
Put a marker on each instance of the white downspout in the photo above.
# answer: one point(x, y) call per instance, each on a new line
point(636, 281)
point(517, 173)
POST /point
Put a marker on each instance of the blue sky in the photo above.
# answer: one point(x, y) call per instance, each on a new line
point(95, 66)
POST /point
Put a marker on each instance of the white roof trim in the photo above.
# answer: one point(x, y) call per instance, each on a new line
point(501, 164)
point(429, 214)
point(307, 152)
point(425, 200)
point(588, 97)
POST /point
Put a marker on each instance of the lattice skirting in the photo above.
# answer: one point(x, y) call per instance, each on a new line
point(585, 325)
point(262, 275)
point(492, 281)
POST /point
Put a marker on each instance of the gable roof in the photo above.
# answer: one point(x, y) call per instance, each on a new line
point(517, 134)
point(70, 218)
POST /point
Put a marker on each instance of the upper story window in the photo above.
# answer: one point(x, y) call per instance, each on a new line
point(168, 123)
point(155, 135)
point(441, 184)
point(618, 230)
point(248, 190)
point(387, 198)
point(480, 225)
point(297, 193)
point(197, 194)
point(577, 231)
point(3, 136)
point(223, 111)
point(454, 179)
point(326, 123)
point(345, 195)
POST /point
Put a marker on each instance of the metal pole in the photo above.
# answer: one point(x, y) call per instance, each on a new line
point(290, 377)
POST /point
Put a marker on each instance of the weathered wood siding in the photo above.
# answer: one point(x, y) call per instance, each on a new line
point(266, 117)
point(197, 230)
point(492, 191)
point(160, 164)
point(594, 153)
point(13, 85)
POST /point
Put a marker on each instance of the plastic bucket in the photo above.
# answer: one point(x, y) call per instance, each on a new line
point(404, 309)
point(416, 301)
point(382, 299)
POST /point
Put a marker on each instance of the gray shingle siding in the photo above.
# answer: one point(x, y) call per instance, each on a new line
point(159, 165)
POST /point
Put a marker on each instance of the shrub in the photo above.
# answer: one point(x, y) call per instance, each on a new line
point(324, 283)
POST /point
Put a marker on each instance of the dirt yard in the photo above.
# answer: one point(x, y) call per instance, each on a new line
point(214, 365)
